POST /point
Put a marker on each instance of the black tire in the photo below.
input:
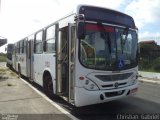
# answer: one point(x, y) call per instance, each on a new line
point(19, 71)
point(48, 86)
point(7, 64)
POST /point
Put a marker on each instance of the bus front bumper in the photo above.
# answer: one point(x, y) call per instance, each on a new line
point(84, 97)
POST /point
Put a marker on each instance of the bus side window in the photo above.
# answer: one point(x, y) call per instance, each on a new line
point(22, 46)
point(38, 44)
point(18, 48)
point(25, 46)
point(49, 45)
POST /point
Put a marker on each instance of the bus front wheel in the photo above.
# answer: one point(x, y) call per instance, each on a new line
point(48, 86)
point(19, 71)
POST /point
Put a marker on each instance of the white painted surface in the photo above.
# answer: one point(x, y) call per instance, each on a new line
point(149, 74)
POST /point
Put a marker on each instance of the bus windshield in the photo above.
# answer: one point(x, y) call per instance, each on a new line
point(108, 48)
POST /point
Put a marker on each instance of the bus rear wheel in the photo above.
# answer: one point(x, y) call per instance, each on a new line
point(48, 86)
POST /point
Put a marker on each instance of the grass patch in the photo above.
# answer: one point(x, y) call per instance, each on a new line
point(2, 77)
point(2, 58)
point(9, 84)
point(3, 69)
point(150, 66)
point(13, 74)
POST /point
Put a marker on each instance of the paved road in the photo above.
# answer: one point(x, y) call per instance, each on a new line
point(147, 101)
point(2, 64)
point(150, 92)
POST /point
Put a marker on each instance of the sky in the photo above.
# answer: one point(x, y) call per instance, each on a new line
point(20, 18)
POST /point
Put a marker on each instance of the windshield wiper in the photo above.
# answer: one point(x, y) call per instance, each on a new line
point(107, 37)
point(124, 38)
point(125, 32)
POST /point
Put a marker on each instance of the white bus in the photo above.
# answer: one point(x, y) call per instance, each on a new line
point(87, 57)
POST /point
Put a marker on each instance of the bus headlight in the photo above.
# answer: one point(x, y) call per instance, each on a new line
point(133, 80)
point(89, 85)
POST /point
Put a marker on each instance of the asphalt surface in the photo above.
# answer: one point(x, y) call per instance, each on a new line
point(150, 92)
point(146, 102)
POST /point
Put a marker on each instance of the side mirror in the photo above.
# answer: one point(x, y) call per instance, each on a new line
point(80, 26)
point(81, 30)
point(5, 49)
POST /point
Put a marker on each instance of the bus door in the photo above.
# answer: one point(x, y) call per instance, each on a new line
point(30, 60)
point(14, 57)
point(65, 62)
point(71, 67)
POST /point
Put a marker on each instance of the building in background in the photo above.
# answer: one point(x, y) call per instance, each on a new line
point(149, 49)
point(149, 56)
point(3, 41)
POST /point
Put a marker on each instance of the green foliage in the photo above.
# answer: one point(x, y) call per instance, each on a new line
point(144, 64)
point(145, 49)
point(2, 58)
point(153, 66)
point(156, 65)
point(149, 57)
point(3, 54)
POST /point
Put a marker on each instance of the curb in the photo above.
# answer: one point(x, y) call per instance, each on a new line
point(51, 102)
point(149, 81)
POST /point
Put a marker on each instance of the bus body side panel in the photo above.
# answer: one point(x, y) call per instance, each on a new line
point(14, 58)
point(23, 64)
point(29, 57)
point(17, 61)
point(49, 60)
point(41, 63)
point(28, 60)
point(13, 61)
point(38, 68)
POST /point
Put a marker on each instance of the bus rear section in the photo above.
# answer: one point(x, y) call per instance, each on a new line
point(10, 48)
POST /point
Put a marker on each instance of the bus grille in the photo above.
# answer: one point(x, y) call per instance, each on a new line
point(116, 77)
point(112, 85)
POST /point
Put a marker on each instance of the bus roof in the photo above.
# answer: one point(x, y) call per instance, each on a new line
point(94, 13)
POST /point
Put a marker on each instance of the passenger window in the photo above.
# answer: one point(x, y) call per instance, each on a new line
point(24, 46)
point(18, 47)
point(38, 44)
point(50, 39)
